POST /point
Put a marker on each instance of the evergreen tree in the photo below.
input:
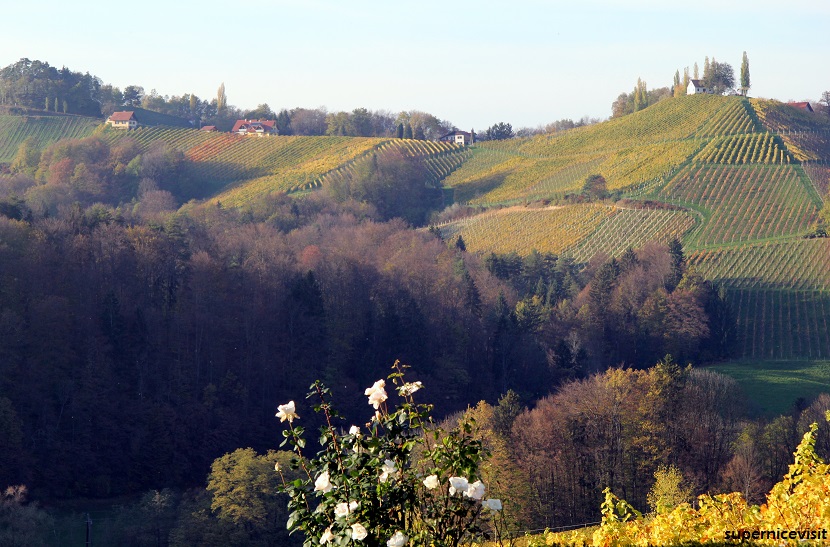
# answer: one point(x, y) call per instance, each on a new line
point(399, 131)
point(56, 104)
point(221, 98)
point(407, 131)
point(419, 133)
point(679, 88)
point(706, 72)
point(640, 95)
point(460, 245)
point(284, 123)
point(678, 263)
point(46, 106)
point(696, 72)
point(745, 75)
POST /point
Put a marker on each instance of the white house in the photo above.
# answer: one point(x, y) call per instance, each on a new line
point(696, 87)
point(458, 137)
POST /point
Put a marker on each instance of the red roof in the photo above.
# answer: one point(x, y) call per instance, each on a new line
point(250, 125)
point(209, 128)
point(123, 116)
point(804, 105)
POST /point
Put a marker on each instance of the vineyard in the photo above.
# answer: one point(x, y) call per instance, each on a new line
point(742, 149)
point(634, 152)
point(806, 135)
point(291, 164)
point(800, 264)
point(43, 129)
point(633, 228)
point(580, 231)
point(743, 203)
point(522, 230)
point(781, 324)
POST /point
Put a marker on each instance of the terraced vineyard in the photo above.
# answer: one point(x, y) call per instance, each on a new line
point(44, 129)
point(751, 175)
point(806, 135)
point(638, 151)
point(580, 231)
point(523, 230)
point(290, 164)
point(633, 228)
point(779, 294)
point(744, 203)
point(743, 149)
point(797, 264)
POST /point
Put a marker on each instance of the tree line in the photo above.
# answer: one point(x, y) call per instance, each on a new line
point(717, 77)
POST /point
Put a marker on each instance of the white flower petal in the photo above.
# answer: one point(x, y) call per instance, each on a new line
point(398, 540)
point(492, 504)
point(359, 532)
point(323, 483)
point(287, 412)
point(475, 490)
point(431, 482)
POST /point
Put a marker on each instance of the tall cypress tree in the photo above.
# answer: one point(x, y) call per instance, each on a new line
point(407, 131)
point(400, 131)
point(221, 98)
point(745, 75)
point(706, 72)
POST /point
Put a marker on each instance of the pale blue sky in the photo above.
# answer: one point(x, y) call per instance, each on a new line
point(475, 63)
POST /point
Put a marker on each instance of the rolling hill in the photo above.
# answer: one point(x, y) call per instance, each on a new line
point(741, 181)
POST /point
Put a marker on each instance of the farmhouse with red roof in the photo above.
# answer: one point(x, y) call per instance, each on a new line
point(255, 127)
point(804, 105)
point(123, 120)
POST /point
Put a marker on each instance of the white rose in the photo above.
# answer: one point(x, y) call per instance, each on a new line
point(492, 504)
point(354, 430)
point(475, 491)
point(341, 510)
point(387, 469)
point(376, 393)
point(398, 540)
point(458, 484)
point(323, 484)
point(344, 509)
point(287, 412)
point(359, 532)
point(431, 482)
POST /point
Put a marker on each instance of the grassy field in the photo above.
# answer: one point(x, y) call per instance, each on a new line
point(773, 386)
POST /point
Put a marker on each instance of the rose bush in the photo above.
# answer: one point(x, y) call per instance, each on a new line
point(370, 489)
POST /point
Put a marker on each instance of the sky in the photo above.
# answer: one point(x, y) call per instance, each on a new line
point(474, 63)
